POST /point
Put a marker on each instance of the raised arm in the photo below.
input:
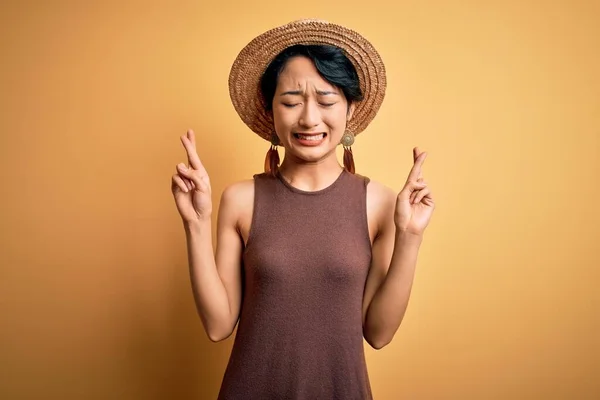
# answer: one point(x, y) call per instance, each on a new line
point(216, 283)
point(402, 221)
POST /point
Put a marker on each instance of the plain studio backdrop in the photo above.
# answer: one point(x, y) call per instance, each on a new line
point(95, 299)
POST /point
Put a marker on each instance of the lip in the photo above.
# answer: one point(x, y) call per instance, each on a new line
point(310, 133)
point(309, 143)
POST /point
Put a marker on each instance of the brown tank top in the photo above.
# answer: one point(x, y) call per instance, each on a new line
point(304, 268)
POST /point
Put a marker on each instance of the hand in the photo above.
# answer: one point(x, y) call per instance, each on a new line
point(191, 185)
point(414, 205)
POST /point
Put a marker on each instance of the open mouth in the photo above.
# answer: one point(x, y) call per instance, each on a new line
point(310, 137)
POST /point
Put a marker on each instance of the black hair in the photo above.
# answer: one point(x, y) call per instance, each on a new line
point(331, 63)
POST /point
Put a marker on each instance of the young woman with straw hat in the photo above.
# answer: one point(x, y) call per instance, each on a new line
point(311, 257)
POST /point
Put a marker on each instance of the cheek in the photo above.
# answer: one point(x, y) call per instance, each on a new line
point(283, 117)
point(335, 119)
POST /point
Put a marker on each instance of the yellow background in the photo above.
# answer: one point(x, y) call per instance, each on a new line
point(94, 290)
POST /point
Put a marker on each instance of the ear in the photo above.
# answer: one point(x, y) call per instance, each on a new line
point(350, 112)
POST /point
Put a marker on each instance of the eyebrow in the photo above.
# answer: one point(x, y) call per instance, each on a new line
point(299, 92)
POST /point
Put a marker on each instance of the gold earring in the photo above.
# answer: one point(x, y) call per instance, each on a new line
point(347, 139)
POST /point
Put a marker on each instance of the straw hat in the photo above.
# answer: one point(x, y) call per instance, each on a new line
point(248, 67)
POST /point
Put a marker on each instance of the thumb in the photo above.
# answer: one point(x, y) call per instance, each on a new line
point(415, 185)
point(189, 173)
point(411, 187)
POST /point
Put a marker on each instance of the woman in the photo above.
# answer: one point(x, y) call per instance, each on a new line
point(311, 257)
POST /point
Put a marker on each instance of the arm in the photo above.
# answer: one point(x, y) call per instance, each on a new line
point(216, 283)
point(401, 223)
point(389, 284)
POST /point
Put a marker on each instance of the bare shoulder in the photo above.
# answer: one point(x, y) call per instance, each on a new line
point(238, 198)
point(237, 205)
point(239, 193)
point(380, 196)
point(381, 202)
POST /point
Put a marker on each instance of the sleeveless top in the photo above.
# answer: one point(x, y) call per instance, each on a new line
point(305, 266)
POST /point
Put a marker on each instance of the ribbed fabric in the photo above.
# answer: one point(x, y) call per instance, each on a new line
point(305, 266)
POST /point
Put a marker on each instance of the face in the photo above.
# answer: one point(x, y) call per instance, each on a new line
point(310, 114)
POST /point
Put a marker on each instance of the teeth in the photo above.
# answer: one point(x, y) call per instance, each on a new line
point(310, 137)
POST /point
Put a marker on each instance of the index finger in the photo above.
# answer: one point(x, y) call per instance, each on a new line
point(415, 171)
point(193, 158)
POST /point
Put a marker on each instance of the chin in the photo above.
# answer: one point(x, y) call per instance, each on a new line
point(313, 154)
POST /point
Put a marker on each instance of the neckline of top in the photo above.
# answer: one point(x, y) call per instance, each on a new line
point(311, 192)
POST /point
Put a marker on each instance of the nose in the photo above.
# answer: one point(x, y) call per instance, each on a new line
point(311, 116)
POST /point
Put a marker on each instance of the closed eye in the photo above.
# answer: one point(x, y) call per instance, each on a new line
point(288, 105)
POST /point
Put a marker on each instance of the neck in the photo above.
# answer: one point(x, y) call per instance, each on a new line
point(310, 176)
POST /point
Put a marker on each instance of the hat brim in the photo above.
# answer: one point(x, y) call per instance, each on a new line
point(250, 64)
